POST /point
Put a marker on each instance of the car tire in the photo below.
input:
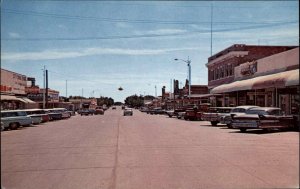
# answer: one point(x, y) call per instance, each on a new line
point(243, 130)
point(229, 126)
point(214, 123)
point(13, 126)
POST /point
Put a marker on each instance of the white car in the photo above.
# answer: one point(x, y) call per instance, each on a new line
point(128, 111)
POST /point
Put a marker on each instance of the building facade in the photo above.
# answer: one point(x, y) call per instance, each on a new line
point(269, 81)
point(221, 66)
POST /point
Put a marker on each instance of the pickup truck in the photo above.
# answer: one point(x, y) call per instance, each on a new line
point(214, 114)
point(196, 112)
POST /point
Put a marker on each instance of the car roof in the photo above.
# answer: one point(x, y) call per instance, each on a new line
point(247, 107)
point(12, 111)
point(266, 108)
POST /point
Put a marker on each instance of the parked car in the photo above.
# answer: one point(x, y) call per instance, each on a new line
point(180, 115)
point(196, 112)
point(214, 114)
point(84, 112)
point(2, 126)
point(38, 114)
point(239, 110)
point(13, 119)
point(99, 111)
point(170, 113)
point(53, 115)
point(127, 111)
point(64, 112)
point(157, 111)
point(265, 118)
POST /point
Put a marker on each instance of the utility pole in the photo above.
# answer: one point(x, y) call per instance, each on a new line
point(44, 80)
point(211, 25)
point(46, 88)
point(155, 92)
point(66, 88)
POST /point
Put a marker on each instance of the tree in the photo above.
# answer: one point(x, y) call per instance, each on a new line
point(134, 101)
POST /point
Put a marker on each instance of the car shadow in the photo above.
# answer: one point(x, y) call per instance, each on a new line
point(260, 131)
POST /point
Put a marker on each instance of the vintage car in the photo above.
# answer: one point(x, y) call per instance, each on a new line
point(85, 112)
point(214, 114)
point(13, 119)
point(127, 111)
point(170, 113)
point(37, 114)
point(53, 115)
point(157, 111)
point(196, 112)
point(99, 111)
point(239, 110)
point(265, 118)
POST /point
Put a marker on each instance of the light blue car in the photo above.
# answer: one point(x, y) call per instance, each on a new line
point(13, 119)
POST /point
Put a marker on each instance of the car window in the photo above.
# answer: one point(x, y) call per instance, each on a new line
point(275, 112)
point(258, 112)
point(22, 113)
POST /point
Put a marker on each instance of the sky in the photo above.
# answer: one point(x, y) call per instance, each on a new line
point(95, 47)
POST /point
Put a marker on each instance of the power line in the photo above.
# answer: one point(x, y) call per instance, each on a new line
point(149, 35)
point(137, 21)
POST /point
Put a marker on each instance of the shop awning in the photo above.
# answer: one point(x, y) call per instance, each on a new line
point(12, 98)
point(278, 80)
point(27, 100)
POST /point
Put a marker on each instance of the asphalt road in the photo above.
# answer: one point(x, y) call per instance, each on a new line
point(146, 151)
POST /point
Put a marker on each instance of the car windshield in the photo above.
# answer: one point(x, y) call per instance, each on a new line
point(258, 112)
point(238, 110)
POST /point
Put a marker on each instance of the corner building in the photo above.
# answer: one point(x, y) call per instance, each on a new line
point(257, 75)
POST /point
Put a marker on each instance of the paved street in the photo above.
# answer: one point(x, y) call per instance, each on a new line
point(146, 151)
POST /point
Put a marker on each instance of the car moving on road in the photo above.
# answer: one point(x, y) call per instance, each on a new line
point(265, 118)
point(128, 111)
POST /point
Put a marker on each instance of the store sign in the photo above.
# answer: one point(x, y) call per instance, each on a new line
point(249, 68)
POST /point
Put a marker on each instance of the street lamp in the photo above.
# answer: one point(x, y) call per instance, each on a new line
point(189, 69)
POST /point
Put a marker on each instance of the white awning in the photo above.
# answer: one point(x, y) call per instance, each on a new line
point(12, 98)
point(278, 80)
point(27, 100)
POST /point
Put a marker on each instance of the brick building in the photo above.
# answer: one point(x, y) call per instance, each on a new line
point(221, 66)
point(269, 81)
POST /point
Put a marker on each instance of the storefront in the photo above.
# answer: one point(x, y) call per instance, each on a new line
point(277, 90)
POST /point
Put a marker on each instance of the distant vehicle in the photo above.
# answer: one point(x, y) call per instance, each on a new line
point(265, 118)
point(2, 126)
point(214, 114)
point(157, 111)
point(38, 113)
point(84, 112)
point(196, 112)
point(123, 107)
point(13, 119)
point(127, 111)
point(114, 108)
point(180, 115)
point(63, 111)
point(99, 111)
point(170, 113)
point(239, 110)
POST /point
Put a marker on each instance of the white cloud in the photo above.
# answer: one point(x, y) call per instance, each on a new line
point(122, 25)
point(161, 32)
point(14, 35)
point(60, 54)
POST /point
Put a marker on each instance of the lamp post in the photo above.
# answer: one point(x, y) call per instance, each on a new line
point(188, 61)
